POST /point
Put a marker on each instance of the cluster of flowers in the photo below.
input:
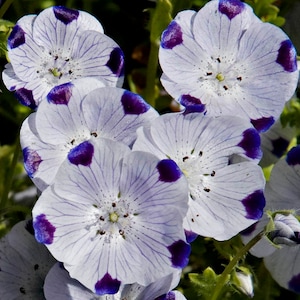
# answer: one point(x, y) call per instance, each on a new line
point(124, 190)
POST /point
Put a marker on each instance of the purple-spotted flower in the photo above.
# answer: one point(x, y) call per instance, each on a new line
point(74, 114)
point(116, 220)
point(55, 47)
point(24, 264)
point(219, 158)
point(281, 245)
point(59, 285)
point(229, 60)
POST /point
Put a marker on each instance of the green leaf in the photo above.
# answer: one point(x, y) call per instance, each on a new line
point(204, 283)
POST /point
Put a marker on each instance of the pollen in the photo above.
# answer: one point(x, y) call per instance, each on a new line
point(113, 217)
point(220, 77)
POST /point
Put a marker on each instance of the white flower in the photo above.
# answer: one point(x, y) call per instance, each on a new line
point(280, 248)
point(24, 264)
point(58, 46)
point(75, 113)
point(219, 158)
point(117, 220)
point(227, 59)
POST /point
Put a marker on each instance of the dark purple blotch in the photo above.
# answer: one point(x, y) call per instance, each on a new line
point(263, 124)
point(107, 285)
point(251, 143)
point(188, 100)
point(195, 109)
point(279, 146)
point(254, 205)
point(168, 170)
point(191, 104)
point(82, 154)
point(293, 156)
point(16, 37)
point(134, 104)
point(287, 56)
point(172, 36)
point(180, 252)
point(32, 161)
point(190, 236)
point(116, 62)
point(169, 296)
point(231, 8)
point(25, 97)
point(43, 230)
point(60, 94)
point(65, 15)
point(294, 284)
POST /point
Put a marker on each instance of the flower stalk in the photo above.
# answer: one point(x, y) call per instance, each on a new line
point(227, 271)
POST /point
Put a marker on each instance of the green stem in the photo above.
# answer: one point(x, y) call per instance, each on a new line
point(5, 7)
point(227, 271)
point(10, 175)
point(149, 93)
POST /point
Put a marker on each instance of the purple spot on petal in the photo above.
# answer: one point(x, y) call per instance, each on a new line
point(25, 97)
point(107, 285)
point(60, 94)
point(180, 252)
point(263, 124)
point(168, 170)
point(81, 154)
point(231, 8)
point(190, 236)
point(134, 104)
point(294, 284)
point(287, 56)
point(251, 143)
point(188, 100)
point(254, 205)
point(192, 104)
point(16, 37)
point(116, 62)
point(172, 36)
point(65, 15)
point(195, 109)
point(279, 146)
point(32, 161)
point(293, 156)
point(43, 230)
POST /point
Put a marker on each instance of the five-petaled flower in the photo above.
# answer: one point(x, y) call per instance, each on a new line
point(218, 156)
point(58, 46)
point(115, 218)
point(229, 60)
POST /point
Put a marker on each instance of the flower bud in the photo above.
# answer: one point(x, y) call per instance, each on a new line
point(286, 230)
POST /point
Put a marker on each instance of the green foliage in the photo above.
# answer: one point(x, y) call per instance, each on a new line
point(5, 29)
point(204, 283)
point(267, 11)
point(291, 114)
